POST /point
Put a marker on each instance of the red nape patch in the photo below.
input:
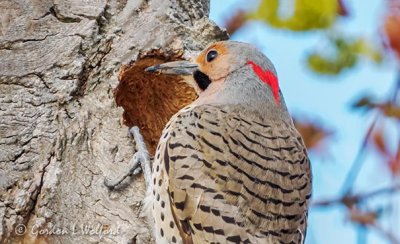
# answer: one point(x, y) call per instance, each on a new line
point(268, 78)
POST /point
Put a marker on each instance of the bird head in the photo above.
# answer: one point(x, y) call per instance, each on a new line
point(229, 72)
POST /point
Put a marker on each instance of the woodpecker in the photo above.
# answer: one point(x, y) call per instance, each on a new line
point(230, 167)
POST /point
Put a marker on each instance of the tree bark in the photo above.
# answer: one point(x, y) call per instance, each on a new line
point(60, 128)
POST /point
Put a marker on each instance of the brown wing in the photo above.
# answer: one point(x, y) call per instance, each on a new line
point(236, 178)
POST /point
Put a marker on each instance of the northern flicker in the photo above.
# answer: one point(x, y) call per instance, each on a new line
point(230, 167)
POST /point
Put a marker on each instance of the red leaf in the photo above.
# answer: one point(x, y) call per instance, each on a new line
point(364, 218)
point(342, 9)
point(391, 27)
point(390, 109)
point(313, 134)
point(365, 102)
point(379, 143)
point(394, 163)
point(234, 23)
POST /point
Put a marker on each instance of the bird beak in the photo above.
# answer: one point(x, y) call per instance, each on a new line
point(174, 68)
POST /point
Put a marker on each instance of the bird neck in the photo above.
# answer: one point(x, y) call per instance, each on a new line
point(244, 89)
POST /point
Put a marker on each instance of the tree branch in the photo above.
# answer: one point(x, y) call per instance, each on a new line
point(350, 200)
point(359, 160)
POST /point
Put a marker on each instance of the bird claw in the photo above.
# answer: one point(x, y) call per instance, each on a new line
point(134, 169)
point(139, 162)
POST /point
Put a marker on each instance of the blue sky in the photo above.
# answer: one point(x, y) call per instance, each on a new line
point(327, 99)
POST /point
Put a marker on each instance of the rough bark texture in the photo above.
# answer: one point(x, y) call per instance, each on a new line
point(60, 129)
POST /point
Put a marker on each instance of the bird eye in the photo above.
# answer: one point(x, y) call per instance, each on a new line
point(211, 55)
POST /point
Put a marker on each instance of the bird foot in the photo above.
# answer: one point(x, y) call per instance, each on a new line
point(139, 162)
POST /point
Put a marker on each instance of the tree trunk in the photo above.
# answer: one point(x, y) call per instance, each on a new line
point(60, 127)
